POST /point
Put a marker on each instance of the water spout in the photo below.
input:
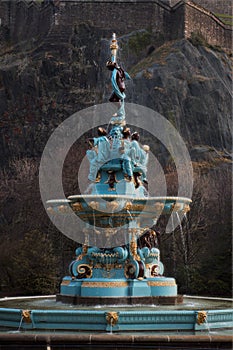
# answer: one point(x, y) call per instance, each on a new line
point(128, 212)
point(207, 324)
point(182, 240)
point(111, 326)
point(112, 319)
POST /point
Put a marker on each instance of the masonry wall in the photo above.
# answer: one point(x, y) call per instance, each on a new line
point(120, 16)
point(30, 20)
point(216, 6)
point(25, 20)
point(201, 21)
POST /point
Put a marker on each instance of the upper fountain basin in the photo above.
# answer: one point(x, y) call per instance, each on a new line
point(120, 208)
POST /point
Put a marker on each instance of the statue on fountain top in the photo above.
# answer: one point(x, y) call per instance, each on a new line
point(118, 84)
point(118, 163)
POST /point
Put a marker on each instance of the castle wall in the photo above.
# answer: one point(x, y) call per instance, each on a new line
point(28, 20)
point(199, 20)
point(216, 6)
point(25, 20)
point(121, 16)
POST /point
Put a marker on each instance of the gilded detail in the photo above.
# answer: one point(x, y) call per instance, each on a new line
point(112, 318)
point(128, 206)
point(186, 208)
point(138, 207)
point(133, 249)
point(112, 206)
point(26, 314)
point(65, 283)
point(94, 205)
point(201, 317)
point(176, 207)
point(160, 284)
point(84, 270)
point(50, 210)
point(109, 231)
point(104, 284)
point(111, 266)
point(63, 208)
point(77, 206)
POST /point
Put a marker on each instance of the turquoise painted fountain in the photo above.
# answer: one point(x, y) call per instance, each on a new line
point(117, 284)
point(118, 208)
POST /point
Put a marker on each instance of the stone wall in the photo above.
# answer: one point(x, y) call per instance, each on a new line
point(216, 6)
point(120, 16)
point(27, 20)
point(32, 16)
point(199, 20)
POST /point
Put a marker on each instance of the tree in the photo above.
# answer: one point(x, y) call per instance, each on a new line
point(34, 264)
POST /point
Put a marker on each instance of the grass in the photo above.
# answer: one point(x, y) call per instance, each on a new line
point(197, 39)
point(226, 19)
point(223, 15)
point(158, 56)
point(139, 41)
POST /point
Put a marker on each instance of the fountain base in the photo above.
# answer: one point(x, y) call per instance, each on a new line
point(102, 291)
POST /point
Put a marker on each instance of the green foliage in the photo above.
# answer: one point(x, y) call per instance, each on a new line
point(200, 258)
point(158, 56)
point(225, 18)
point(197, 39)
point(139, 41)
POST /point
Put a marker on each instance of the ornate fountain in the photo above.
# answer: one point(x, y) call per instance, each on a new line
point(117, 208)
point(118, 263)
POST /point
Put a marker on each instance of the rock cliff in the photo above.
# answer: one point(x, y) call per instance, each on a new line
point(188, 83)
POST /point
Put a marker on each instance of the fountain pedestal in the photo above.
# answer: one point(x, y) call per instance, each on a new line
point(128, 274)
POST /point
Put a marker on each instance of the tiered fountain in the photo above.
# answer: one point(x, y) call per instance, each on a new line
point(124, 268)
point(119, 209)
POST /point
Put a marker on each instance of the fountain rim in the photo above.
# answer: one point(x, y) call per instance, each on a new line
point(112, 196)
point(44, 319)
point(52, 296)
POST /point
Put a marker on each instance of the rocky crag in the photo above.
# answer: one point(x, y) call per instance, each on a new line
point(186, 81)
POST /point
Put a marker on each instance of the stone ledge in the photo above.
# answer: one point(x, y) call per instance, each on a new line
point(129, 341)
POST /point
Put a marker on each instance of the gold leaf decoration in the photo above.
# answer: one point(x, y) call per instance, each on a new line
point(26, 315)
point(201, 317)
point(112, 318)
point(112, 206)
point(94, 205)
point(77, 206)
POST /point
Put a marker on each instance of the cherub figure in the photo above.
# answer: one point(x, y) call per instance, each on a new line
point(92, 157)
point(140, 156)
point(103, 146)
point(99, 153)
point(126, 152)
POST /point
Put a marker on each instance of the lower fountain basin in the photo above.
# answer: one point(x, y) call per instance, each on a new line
point(43, 313)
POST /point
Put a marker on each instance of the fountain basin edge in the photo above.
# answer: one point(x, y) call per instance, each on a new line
point(115, 319)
